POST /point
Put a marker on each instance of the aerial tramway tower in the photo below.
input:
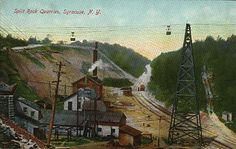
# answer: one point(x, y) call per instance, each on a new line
point(185, 123)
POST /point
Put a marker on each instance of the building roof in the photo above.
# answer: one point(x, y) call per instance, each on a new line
point(89, 105)
point(126, 88)
point(70, 96)
point(6, 89)
point(29, 103)
point(130, 130)
point(93, 79)
point(69, 118)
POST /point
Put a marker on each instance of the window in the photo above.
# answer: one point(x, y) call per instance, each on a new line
point(25, 109)
point(70, 105)
point(113, 130)
point(79, 105)
point(32, 113)
point(99, 129)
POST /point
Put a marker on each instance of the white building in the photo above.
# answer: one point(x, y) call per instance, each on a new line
point(28, 108)
point(104, 130)
point(73, 102)
point(227, 116)
point(28, 114)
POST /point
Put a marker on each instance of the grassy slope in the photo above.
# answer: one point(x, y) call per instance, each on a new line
point(218, 55)
point(9, 67)
point(22, 89)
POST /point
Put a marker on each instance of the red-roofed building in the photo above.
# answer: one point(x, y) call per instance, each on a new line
point(88, 82)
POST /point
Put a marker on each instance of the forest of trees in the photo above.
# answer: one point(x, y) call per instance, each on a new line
point(126, 58)
point(218, 55)
point(10, 41)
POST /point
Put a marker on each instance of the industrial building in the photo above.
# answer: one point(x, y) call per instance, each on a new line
point(68, 122)
point(89, 82)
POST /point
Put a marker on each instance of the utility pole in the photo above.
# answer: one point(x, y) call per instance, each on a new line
point(49, 85)
point(159, 132)
point(65, 90)
point(59, 73)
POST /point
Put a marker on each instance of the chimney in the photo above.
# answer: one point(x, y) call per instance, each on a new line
point(95, 58)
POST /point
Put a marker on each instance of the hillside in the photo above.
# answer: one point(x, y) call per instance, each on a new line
point(37, 65)
point(125, 58)
point(32, 69)
point(218, 55)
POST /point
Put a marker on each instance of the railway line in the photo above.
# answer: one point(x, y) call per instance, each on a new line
point(220, 145)
point(157, 109)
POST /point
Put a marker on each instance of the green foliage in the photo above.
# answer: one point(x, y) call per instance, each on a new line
point(60, 105)
point(5, 58)
point(112, 82)
point(10, 41)
point(48, 56)
point(70, 143)
point(33, 40)
point(7, 67)
point(145, 141)
point(126, 58)
point(232, 125)
point(23, 90)
point(164, 75)
point(218, 55)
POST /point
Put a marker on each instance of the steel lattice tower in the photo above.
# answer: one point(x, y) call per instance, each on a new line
point(185, 123)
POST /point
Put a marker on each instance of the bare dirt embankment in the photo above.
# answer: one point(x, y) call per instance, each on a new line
point(36, 66)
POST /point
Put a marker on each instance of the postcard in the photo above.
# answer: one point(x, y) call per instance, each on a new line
point(117, 74)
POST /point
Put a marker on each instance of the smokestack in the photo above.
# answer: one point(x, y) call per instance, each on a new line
point(95, 58)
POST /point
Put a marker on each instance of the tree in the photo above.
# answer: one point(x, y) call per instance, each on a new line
point(46, 40)
point(33, 40)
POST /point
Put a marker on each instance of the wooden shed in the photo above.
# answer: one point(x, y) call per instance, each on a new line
point(127, 91)
point(142, 87)
point(89, 82)
point(129, 136)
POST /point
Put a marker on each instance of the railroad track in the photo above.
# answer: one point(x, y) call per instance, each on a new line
point(221, 145)
point(161, 111)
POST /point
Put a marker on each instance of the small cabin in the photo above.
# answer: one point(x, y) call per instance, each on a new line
point(227, 116)
point(127, 91)
point(141, 87)
point(129, 136)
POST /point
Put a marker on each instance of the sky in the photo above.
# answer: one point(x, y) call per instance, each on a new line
point(137, 24)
